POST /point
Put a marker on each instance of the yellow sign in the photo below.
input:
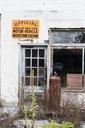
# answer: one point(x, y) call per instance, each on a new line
point(25, 28)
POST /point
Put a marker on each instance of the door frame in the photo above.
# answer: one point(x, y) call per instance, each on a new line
point(20, 78)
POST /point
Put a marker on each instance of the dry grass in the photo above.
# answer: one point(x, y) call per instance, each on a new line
point(6, 121)
point(72, 107)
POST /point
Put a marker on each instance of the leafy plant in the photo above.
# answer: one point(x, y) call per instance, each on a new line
point(51, 124)
point(34, 106)
point(54, 124)
point(25, 111)
point(66, 125)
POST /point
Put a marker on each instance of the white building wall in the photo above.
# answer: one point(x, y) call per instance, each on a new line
point(10, 53)
point(9, 62)
point(59, 13)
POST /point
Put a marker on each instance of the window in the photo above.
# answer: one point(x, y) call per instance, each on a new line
point(34, 61)
point(67, 36)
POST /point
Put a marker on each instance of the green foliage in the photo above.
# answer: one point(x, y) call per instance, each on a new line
point(34, 106)
point(25, 112)
point(33, 109)
point(34, 103)
point(51, 124)
point(67, 125)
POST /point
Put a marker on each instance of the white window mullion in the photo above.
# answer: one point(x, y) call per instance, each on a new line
point(31, 68)
point(37, 66)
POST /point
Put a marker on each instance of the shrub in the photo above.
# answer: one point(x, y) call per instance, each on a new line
point(71, 108)
point(51, 124)
point(67, 125)
point(54, 124)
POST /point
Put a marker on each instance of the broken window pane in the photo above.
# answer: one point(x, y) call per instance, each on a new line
point(79, 37)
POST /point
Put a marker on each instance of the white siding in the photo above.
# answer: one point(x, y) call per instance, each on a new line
point(56, 13)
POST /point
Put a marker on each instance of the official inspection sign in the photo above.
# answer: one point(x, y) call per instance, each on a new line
point(25, 28)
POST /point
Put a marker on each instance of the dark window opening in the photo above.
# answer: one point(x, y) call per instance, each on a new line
point(27, 52)
point(34, 52)
point(27, 71)
point(67, 61)
point(27, 62)
point(41, 62)
point(41, 53)
point(27, 81)
point(34, 62)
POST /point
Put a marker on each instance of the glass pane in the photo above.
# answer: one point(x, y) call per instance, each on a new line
point(79, 37)
point(41, 71)
point(68, 37)
point(34, 62)
point(27, 62)
point(41, 53)
point(41, 62)
point(27, 81)
point(35, 81)
point(35, 71)
point(41, 81)
point(27, 53)
point(34, 53)
point(62, 37)
point(27, 71)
